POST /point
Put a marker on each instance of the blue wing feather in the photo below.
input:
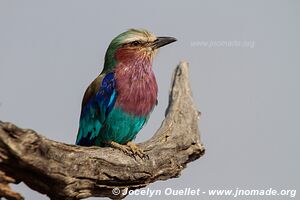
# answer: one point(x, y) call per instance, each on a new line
point(95, 110)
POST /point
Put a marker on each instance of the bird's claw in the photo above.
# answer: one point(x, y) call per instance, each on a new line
point(125, 149)
point(130, 149)
point(137, 151)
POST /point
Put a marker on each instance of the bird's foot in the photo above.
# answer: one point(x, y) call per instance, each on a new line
point(121, 147)
point(136, 150)
point(130, 149)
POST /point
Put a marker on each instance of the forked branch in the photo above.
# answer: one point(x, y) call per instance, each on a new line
point(70, 172)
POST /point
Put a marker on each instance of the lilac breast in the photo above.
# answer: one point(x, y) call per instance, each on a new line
point(136, 88)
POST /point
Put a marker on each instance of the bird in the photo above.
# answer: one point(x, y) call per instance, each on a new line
point(119, 101)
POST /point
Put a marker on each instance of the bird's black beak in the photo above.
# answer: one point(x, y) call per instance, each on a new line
point(162, 41)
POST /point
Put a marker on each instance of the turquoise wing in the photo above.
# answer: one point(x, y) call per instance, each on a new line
point(97, 103)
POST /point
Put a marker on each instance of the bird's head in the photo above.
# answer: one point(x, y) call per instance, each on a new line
point(133, 45)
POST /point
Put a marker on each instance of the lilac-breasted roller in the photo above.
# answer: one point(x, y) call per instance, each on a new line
point(118, 103)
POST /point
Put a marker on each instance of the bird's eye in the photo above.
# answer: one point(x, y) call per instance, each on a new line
point(135, 43)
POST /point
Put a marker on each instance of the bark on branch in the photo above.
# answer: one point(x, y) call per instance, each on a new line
point(70, 172)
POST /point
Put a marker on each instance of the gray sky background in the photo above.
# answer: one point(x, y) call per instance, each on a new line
point(248, 94)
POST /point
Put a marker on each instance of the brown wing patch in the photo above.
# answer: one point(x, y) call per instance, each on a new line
point(92, 89)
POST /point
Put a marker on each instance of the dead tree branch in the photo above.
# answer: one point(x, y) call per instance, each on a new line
point(70, 172)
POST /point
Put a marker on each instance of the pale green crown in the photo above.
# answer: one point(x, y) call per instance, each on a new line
point(125, 37)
